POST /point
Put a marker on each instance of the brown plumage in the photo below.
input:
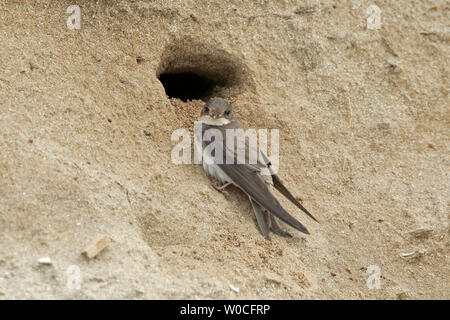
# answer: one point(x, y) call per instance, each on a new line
point(217, 114)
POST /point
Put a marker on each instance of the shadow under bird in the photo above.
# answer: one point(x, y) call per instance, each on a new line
point(217, 114)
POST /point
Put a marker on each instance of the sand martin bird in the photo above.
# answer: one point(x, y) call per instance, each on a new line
point(217, 114)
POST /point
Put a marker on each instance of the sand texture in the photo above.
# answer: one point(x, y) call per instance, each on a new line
point(85, 149)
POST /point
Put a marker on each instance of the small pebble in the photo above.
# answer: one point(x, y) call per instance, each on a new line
point(45, 260)
point(234, 288)
point(96, 247)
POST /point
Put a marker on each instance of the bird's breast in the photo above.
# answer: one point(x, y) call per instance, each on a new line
point(214, 170)
point(209, 166)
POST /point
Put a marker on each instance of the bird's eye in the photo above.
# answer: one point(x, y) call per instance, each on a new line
point(227, 113)
point(206, 109)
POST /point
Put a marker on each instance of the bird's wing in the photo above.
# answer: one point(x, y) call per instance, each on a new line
point(278, 184)
point(285, 192)
point(254, 186)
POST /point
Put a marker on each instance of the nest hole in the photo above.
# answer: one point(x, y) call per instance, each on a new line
point(194, 71)
point(187, 85)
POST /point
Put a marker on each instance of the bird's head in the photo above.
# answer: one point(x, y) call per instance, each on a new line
point(216, 112)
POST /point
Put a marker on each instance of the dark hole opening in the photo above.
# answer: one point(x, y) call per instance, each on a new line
point(187, 86)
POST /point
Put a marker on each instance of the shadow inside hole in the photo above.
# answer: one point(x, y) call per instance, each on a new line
point(187, 86)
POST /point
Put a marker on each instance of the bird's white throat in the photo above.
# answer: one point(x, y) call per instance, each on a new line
point(214, 122)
